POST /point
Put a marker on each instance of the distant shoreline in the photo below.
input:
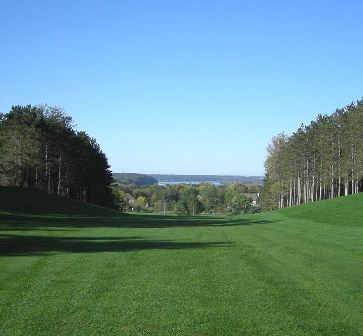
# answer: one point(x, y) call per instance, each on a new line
point(166, 179)
point(213, 179)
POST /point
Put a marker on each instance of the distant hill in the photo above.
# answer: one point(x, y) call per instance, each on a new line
point(163, 178)
point(133, 178)
point(20, 200)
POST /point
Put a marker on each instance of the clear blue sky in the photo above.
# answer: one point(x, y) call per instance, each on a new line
point(194, 87)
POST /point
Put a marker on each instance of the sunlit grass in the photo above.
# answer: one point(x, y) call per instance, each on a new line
point(291, 272)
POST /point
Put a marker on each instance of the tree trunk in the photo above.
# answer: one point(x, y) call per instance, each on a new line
point(340, 169)
point(312, 189)
point(36, 177)
point(298, 190)
point(47, 170)
point(339, 188)
point(332, 182)
point(352, 178)
point(59, 175)
point(49, 181)
point(346, 187)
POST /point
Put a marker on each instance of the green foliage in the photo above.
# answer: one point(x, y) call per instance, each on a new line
point(188, 196)
point(211, 198)
point(319, 161)
point(121, 201)
point(180, 208)
point(235, 202)
point(140, 203)
point(41, 150)
point(193, 199)
point(133, 178)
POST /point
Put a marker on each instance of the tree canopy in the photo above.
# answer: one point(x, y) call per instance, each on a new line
point(318, 161)
point(134, 178)
point(184, 199)
point(41, 149)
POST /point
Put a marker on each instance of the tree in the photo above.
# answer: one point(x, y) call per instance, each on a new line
point(121, 201)
point(40, 149)
point(188, 197)
point(210, 197)
point(140, 203)
point(318, 161)
point(235, 202)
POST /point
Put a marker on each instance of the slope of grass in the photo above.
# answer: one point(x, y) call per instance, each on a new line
point(291, 272)
point(36, 202)
point(338, 211)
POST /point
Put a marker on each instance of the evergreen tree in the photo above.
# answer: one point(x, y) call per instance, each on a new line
point(318, 161)
point(40, 149)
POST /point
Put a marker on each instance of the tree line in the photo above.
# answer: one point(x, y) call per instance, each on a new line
point(134, 178)
point(185, 199)
point(41, 149)
point(321, 160)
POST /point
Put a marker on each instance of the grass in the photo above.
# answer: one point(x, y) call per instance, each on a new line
point(19, 200)
point(291, 272)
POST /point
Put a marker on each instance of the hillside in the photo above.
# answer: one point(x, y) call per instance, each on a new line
point(134, 178)
point(343, 211)
point(19, 200)
point(294, 272)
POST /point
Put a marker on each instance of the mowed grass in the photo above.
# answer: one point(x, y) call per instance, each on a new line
point(291, 272)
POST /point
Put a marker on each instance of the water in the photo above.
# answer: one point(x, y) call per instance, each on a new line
point(164, 183)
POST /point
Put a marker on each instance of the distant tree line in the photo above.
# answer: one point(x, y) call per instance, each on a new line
point(185, 199)
point(40, 149)
point(134, 178)
point(319, 161)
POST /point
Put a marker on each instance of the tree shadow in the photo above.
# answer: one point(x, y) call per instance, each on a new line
point(13, 222)
point(14, 245)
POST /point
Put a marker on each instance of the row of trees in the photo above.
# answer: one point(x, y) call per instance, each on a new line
point(188, 199)
point(319, 161)
point(40, 149)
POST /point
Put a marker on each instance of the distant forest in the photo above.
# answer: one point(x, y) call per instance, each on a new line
point(319, 161)
point(183, 199)
point(134, 178)
point(41, 149)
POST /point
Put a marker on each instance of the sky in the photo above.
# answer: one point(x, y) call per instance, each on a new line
point(184, 86)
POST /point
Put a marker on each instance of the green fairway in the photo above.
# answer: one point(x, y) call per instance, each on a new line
point(291, 272)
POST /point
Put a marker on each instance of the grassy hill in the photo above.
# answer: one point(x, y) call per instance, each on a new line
point(296, 271)
point(19, 200)
point(344, 211)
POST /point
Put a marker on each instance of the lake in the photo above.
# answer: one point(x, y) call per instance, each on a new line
point(164, 183)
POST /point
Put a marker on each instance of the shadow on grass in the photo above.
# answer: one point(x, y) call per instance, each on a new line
point(17, 222)
point(13, 245)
